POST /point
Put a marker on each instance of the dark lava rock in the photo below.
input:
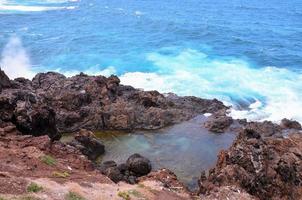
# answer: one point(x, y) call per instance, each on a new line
point(286, 123)
point(129, 172)
point(38, 122)
point(96, 103)
point(114, 174)
point(105, 165)
point(4, 81)
point(93, 147)
point(265, 166)
point(265, 129)
point(218, 122)
point(139, 164)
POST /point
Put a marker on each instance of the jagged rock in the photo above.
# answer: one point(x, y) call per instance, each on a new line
point(37, 122)
point(107, 164)
point(265, 166)
point(97, 102)
point(90, 146)
point(286, 123)
point(265, 129)
point(4, 81)
point(139, 164)
point(114, 174)
point(218, 122)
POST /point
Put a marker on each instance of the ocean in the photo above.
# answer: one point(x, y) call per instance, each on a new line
point(247, 54)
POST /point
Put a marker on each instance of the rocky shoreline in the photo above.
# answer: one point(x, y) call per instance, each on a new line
point(264, 162)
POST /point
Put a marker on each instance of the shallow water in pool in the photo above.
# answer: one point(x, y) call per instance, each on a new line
point(186, 148)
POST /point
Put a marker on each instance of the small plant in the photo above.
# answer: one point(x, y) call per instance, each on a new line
point(73, 196)
point(124, 195)
point(60, 174)
point(48, 160)
point(135, 193)
point(33, 187)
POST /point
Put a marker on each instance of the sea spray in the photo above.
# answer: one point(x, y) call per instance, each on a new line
point(15, 61)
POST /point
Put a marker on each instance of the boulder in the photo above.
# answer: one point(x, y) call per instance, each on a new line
point(105, 165)
point(218, 122)
point(93, 147)
point(139, 165)
point(286, 123)
point(114, 174)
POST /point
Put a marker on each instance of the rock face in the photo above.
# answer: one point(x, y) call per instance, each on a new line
point(261, 162)
point(88, 144)
point(136, 166)
point(4, 81)
point(93, 103)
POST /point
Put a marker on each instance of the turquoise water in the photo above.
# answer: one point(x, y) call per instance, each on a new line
point(185, 148)
point(246, 53)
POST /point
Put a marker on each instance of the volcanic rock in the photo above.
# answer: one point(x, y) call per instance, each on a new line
point(286, 123)
point(88, 144)
point(218, 122)
point(4, 81)
point(139, 164)
point(261, 163)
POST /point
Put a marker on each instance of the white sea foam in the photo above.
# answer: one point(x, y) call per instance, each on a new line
point(6, 5)
point(15, 61)
point(270, 93)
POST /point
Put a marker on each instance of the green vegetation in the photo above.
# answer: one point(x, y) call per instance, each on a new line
point(1, 198)
point(124, 195)
point(136, 193)
point(48, 160)
point(73, 196)
point(60, 174)
point(33, 187)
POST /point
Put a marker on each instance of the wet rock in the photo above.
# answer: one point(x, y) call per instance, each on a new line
point(139, 165)
point(93, 148)
point(218, 122)
point(286, 123)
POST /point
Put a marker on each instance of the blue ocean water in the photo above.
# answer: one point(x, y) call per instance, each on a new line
point(245, 53)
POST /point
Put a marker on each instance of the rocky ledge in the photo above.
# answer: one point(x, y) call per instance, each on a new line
point(52, 104)
point(265, 161)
